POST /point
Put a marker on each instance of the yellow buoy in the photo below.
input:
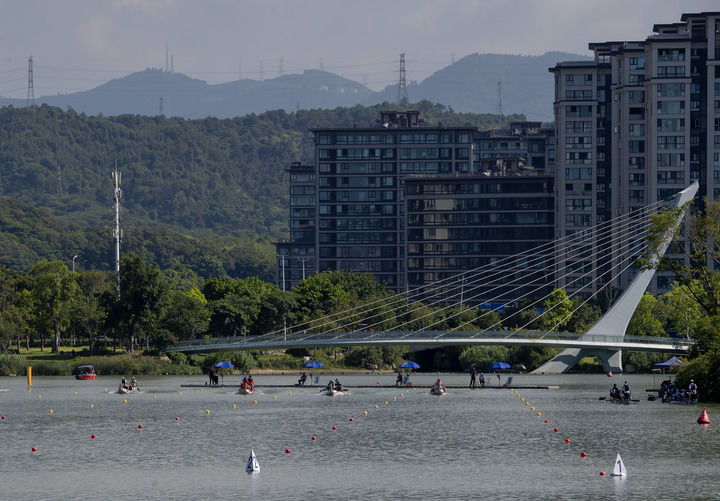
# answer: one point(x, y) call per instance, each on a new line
point(539, 414)
point(522, 399)
point(234, 406)
point(179, 393)
point(532, 408)
point(104, 389)
point(402, 394)
point(125, 401)
point(75, 393)
point(39, 396)
point(201, 389)
point(386, 402)
point(92, 405)
point(254, 401)
point(394, 398)
point(527, 403)
point(274, 397)
point(290, 393)
point(377, 406)
point(364, 413)
point(154, 396)
point(207, 411)
point(50, 411)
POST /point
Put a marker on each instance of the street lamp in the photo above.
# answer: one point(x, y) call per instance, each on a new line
point(74, 258)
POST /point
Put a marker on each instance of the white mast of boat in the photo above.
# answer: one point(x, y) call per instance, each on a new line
point(619, 469)
point(252, 464)
point(116, 230)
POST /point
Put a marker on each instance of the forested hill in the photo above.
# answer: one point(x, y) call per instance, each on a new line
point(207, 178)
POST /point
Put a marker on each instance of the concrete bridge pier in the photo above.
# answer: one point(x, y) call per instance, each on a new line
point(611, 360)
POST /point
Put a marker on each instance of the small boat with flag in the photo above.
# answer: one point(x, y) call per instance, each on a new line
point(85, 372)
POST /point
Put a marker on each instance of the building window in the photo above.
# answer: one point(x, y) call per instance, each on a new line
point(637, 63)
point(671, 124)
point(670, 107)
point(671, 54)
point(671, 90)
point(637, 162)
point(636, 96)
point(670, 71)
point(636, 146)
point(637, 130)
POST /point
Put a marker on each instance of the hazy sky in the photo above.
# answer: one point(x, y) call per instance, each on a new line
point(79, 44)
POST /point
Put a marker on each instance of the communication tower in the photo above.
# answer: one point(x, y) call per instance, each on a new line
point(31, 91)
point(402, 96)
point(116, 230)
point(162, 111)
point(499, 102)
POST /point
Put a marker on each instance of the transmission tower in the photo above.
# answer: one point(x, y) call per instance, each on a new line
point(31, 91)
point(499, 102)
point(116, 230)
point(162, 111)
point(402, 96)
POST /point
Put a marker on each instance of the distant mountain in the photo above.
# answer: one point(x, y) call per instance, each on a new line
point(468, 85)
point(471, 84)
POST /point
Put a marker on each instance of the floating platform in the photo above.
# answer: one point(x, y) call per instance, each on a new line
point(313, 386)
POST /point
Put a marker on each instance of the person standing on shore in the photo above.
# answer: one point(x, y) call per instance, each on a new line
point(473, 377)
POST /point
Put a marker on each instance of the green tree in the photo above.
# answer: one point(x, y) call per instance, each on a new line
point(557, 310)
point(53, 290)
point(682, 310)
point(88, 312)
point(186, 315)
point(141, 292)
point(646, 321)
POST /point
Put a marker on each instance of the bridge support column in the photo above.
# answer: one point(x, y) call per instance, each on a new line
point(568, 358)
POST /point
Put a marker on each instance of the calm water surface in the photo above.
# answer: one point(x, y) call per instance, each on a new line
point(482, 444)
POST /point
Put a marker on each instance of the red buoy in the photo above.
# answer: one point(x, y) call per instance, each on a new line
point(177, 419)
point(287, 451)
point(704, 418)
point(555, 430)
point(314, 437)
point(582, 454)
point(546, 421)
point(34, 449)
point(351, 420)
point(139, 426)
point(3, 417)
point(567, 440)
point(602, 473)
point(609, 373)
point(92, 436)
point(334, 427)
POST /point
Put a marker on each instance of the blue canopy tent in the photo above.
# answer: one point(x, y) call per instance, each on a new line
point(312, 365)
point(667, 364)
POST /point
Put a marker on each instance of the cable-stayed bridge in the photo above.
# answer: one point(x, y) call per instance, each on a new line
point(404, 319)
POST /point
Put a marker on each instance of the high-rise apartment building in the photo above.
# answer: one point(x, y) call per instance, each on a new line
point(634, 126)
point(348, 211)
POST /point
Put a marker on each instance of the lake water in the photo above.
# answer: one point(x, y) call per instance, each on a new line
point(469, 444)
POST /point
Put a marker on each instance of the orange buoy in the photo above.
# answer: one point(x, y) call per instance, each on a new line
point(704, 418)
point(609, 373)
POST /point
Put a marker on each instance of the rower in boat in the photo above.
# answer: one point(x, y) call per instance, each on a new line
point(330, 386)
point(615, 392)
point(626, 391)
point(692, 391)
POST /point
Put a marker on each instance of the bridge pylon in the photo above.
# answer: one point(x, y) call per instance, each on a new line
point(615, 321)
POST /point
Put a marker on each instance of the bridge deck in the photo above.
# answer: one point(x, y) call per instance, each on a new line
point(439, 338)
